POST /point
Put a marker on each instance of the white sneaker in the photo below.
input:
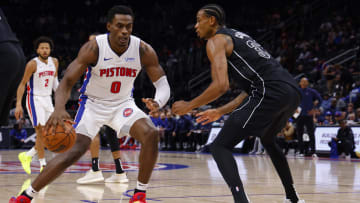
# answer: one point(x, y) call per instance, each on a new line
point(348, 157)
point(300, 155)
point(117, 178)
point(91, 177)
point(314, 156)
point(299, 201)
point(342, 155)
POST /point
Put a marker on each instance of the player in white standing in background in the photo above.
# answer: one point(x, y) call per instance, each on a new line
point(40, 77)
point(111, 63)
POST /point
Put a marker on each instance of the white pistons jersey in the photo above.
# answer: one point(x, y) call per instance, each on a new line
point(41, 82)
point(112, 78)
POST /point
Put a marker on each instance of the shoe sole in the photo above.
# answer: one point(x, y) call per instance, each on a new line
point(89, 182)
point(121, 181)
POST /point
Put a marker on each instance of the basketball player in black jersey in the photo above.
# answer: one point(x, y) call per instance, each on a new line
point(12, 66)
point(268, 100)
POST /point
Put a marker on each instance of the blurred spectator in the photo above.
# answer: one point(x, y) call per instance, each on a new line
point(310, 100)
point(351, 119)
point(155, 117)
point(340, 103)
point(339, 116)
point(354, 94)
point(326, 102)
point(350, 109)
point(357, 115)
point(169, 130)
point(183, 127)
point(18, 136)
point(333, 108)
point(286, 137)
point(194, 136)
point(162, 125)
point(25, 123)
point(329, 120)
point(346, 80)
point(329, 74)
point(344, 140)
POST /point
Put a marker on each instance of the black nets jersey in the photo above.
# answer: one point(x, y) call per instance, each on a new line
point(6, 34)
point(252, 67)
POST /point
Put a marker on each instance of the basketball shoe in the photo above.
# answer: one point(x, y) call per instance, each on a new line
point(25, 185)
point(20, 199)
point(91, 177)
point(139, 197)
point(25, 162)
point(117, 178)
point(289, 201)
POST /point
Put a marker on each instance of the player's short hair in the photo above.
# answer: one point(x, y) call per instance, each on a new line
point(43, 39)
point(216, 11)
point(119, 9)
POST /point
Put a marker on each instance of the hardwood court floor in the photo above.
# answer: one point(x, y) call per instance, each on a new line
point(190, 177)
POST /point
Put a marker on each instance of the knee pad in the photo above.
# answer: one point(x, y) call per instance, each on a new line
point(112, 139)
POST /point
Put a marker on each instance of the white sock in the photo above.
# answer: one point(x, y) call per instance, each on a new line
point(141, 186)
point(30, 191)
point(31, 152)
point(42, 162)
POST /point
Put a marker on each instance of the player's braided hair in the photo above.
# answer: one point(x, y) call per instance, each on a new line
point(216, 11)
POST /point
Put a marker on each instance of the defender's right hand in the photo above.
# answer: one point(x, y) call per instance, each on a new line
point(208, 116)
point(57, 118)
point(19, 112)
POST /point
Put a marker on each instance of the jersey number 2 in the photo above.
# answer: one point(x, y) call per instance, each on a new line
point(46, 82)
point(115, 87)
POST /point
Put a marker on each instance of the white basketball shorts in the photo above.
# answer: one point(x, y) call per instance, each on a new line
point(92, 115)
point(39, 108)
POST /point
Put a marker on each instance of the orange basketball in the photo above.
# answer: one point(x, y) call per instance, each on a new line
point(60, 141)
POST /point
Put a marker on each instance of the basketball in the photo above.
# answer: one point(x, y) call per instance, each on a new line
point(60, 141)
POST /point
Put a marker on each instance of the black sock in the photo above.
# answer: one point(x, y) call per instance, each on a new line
point(239, 194)
point(291, 194)
point(26, 195)
point(137, 190)
point(95, 164)
point(119, 168)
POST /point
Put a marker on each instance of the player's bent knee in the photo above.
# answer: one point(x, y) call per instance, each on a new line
point(151, 137)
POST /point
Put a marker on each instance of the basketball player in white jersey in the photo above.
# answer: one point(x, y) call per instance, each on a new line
point(94, 174)
point(112, 63)
point(41, 79)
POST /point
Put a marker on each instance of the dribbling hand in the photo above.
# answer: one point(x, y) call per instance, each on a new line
point(208, 116)
point(57, 118)
point(151, 104)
